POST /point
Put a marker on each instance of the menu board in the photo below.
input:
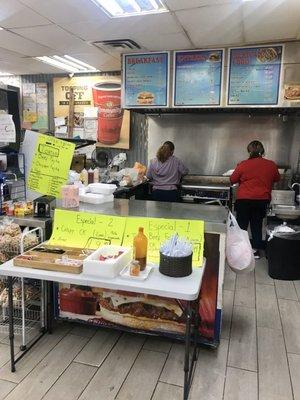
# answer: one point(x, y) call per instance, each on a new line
point(254, 75)
point(197, 78)
point(146, 80)
point(50, 165)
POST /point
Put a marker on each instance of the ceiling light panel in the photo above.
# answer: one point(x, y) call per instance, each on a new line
point(67, 63)
point(128, 8)
point(5, 74)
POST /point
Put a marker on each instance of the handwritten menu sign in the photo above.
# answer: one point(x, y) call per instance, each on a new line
point(145, 80)
point(50, 165)
point(197, 78)
point(86, 230)
point(158, 230)
point(90, 231)
point(254, 75)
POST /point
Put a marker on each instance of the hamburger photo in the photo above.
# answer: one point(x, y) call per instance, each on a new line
point(140, 311)
point(145, 98)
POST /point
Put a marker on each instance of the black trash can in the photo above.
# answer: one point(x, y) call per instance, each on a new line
point(283, 254)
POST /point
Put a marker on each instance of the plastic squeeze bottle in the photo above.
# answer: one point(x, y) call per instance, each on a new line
point(84, 177)
point(140, 244)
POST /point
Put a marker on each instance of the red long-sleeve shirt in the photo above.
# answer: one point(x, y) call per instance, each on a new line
point(255, 177)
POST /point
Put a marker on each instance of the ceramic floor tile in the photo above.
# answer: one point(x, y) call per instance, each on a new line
point(240, 384)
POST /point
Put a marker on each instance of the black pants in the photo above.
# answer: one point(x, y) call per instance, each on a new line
point(253, 212)
point(166, 195)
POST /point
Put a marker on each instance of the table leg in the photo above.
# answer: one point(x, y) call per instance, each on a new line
point(11, 322)
point(49, 311)
point(187, 352)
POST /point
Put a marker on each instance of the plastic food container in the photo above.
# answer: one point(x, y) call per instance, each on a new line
point(109, 268)
point(102, 188)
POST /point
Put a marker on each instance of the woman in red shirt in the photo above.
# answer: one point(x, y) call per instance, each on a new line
point(255, 177)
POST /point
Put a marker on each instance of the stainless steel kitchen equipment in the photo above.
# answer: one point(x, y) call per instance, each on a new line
point(207, 189)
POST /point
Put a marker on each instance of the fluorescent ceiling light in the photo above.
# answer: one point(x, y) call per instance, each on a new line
point(1, 29)
point(5, 74)
point(128, 8)
point(247, 0)
point(67, 63)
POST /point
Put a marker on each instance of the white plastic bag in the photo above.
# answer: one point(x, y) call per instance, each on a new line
point(239, 252)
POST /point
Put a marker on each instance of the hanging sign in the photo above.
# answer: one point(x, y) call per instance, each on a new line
point(197, 78)
point(146, 80)
point(254, 75)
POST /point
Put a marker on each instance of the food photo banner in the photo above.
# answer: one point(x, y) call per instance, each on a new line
point(197, 78)
point(254, 75)
point(146, 80)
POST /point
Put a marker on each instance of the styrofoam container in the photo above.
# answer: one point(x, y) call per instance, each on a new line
point(102, 188)
point(109, 268)
point(94, 198)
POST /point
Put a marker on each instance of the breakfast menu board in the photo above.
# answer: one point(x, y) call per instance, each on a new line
point(50, 165)
point(197, 78)
point(146, 80)
point(254, 75)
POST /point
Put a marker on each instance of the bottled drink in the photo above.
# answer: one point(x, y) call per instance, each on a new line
point(90, 176)
point(140, 244)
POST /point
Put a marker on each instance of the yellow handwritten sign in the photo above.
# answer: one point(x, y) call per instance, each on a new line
point(158, 230)
point(50, 165)
point(86, 230)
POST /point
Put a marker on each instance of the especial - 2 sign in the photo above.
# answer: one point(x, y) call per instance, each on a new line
point(198, 78)
point(254, 75)
point(146, 80)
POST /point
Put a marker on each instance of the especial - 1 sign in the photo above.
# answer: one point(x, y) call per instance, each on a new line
point(146, 80)
point(197, 78)
point(254, 75)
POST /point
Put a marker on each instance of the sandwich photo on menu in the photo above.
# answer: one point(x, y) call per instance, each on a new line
point(112, 308)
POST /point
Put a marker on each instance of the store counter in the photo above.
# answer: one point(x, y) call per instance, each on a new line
point(214, 216)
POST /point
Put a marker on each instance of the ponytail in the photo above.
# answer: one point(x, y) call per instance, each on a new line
point(165, 151)
point(255, 149)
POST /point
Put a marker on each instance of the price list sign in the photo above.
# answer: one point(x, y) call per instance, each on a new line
point(197, 78)
point(50, 165)
point(254, 75)
point(146, 80)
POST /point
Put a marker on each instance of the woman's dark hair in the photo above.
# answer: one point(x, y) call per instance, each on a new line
point(165, 151)
point(255, 149)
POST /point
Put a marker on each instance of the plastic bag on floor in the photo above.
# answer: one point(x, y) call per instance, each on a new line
point(239, 252)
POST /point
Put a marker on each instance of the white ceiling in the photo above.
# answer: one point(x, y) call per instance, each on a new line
point(47, 27)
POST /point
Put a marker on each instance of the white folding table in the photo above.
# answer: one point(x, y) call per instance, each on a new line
point(185, 289)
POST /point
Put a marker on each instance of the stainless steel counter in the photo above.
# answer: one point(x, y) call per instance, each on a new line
point(214, 216)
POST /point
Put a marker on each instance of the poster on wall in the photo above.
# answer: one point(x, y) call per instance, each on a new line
point(112, 125)
point(29, 103)
point(146, 80)
point(292, 92)
point(41, 106)
point(254, 75)
point(197, 79)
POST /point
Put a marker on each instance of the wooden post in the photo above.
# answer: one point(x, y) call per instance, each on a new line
point(71, 113)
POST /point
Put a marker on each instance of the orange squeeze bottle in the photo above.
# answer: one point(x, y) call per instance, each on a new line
point(140, 244)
